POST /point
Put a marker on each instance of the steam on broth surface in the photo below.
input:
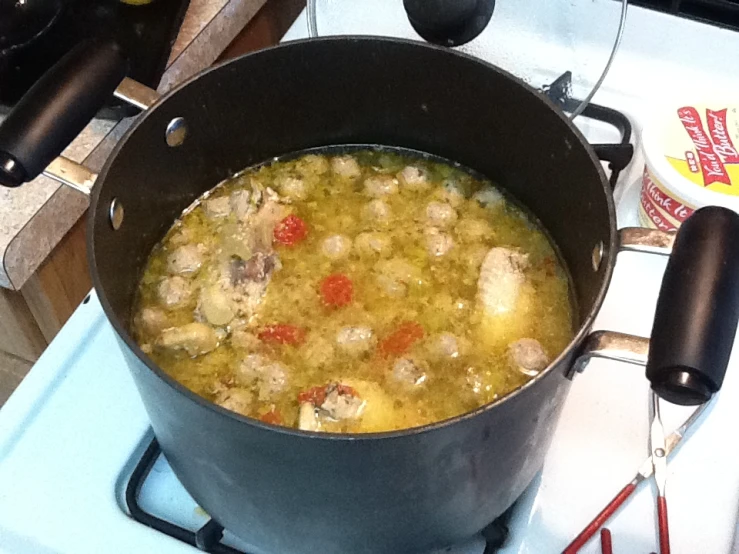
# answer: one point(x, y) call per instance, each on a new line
point(360, 292)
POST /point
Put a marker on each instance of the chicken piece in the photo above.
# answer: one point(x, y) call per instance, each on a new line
point(379, 186)
point(336, 247)
point(377, 212)
point(390, 286)
point(410, 372)
point(308, 418)
point(186, 259)
point(215, 208)
point(355, 341)
point(501, 279)
point(341, 403)
point(240, 203)
point(269, 377)
point(488, 197)
point(258, 268)
point(194, 338)
point(174, 292)
point(293, 188)
point(152, 320)
point(446, 346)
point(440, 214)
point(528, 356)
point(413, 178)
point(317, 351)
point(346, 166)
point(216, 306)
point(373, 244)
point(438, 243)
point(473, 230)
point(236, 399)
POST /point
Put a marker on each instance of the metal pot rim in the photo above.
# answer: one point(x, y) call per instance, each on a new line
point(608, 261)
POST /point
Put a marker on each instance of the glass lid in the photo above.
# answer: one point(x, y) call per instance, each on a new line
point(557, 46)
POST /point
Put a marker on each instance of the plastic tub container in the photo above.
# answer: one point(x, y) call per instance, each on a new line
point(692, 161)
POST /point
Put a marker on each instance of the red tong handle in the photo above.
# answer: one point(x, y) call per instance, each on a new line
point(606, 544)
point(600, 519)
point(664, 530)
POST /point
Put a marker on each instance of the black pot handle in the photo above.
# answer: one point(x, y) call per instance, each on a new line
point(57, 108)
point(697, 309)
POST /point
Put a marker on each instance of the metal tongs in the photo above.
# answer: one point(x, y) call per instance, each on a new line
point(660, 447)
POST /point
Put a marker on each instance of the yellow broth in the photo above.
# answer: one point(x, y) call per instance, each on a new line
point(418, 271)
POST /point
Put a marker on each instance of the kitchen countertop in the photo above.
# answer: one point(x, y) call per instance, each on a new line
point(35, 217)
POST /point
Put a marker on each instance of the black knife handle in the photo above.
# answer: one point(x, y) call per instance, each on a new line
point(697, 309)
point(56, 109)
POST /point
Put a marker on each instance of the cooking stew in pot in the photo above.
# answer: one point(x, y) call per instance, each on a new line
point(357, 292)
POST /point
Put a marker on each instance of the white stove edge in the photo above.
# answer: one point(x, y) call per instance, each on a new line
point(69, 433)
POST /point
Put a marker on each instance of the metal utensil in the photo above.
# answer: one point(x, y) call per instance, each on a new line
point(647, 469)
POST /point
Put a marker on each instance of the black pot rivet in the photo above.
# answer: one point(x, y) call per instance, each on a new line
point(597, 256)
point(116, 214)
point(176, 132)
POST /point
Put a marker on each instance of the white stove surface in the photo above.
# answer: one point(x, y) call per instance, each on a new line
point(74, 429)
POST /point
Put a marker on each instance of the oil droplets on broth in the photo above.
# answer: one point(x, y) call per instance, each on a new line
point(358, 292)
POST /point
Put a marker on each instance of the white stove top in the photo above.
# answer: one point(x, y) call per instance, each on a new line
point(74, 429)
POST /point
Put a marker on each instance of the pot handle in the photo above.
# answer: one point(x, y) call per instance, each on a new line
point(57, 108)
point(697, 309)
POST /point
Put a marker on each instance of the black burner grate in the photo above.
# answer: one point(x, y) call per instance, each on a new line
point(208, 537)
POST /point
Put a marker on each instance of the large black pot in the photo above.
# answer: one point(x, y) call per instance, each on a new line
point(288, 491)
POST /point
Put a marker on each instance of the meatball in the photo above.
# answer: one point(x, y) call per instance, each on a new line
point(194, 338)
point(438, 243)
point(413, 178)
point(317, 351)
point(215, 208)
point(174, 291)
point(488, 197)
point(501, 278)
point(378, 186)
point(269, 377)
point(346, 166)
point(152, 320)
point(355, 341)
point(528, 356)
point(445, 346)
point(440, 214)
point(186, 259)
point(391, 286)
point(409, 372)
point(371, 244)
point(451, 193)
point(241, 337)
point(473, 230)
point(235, 399)
point(293, 188)
point(336, 247)
point(377, 211)
point(312, 164)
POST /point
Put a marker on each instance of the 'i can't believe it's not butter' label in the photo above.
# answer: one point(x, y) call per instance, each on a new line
point(700, 143)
